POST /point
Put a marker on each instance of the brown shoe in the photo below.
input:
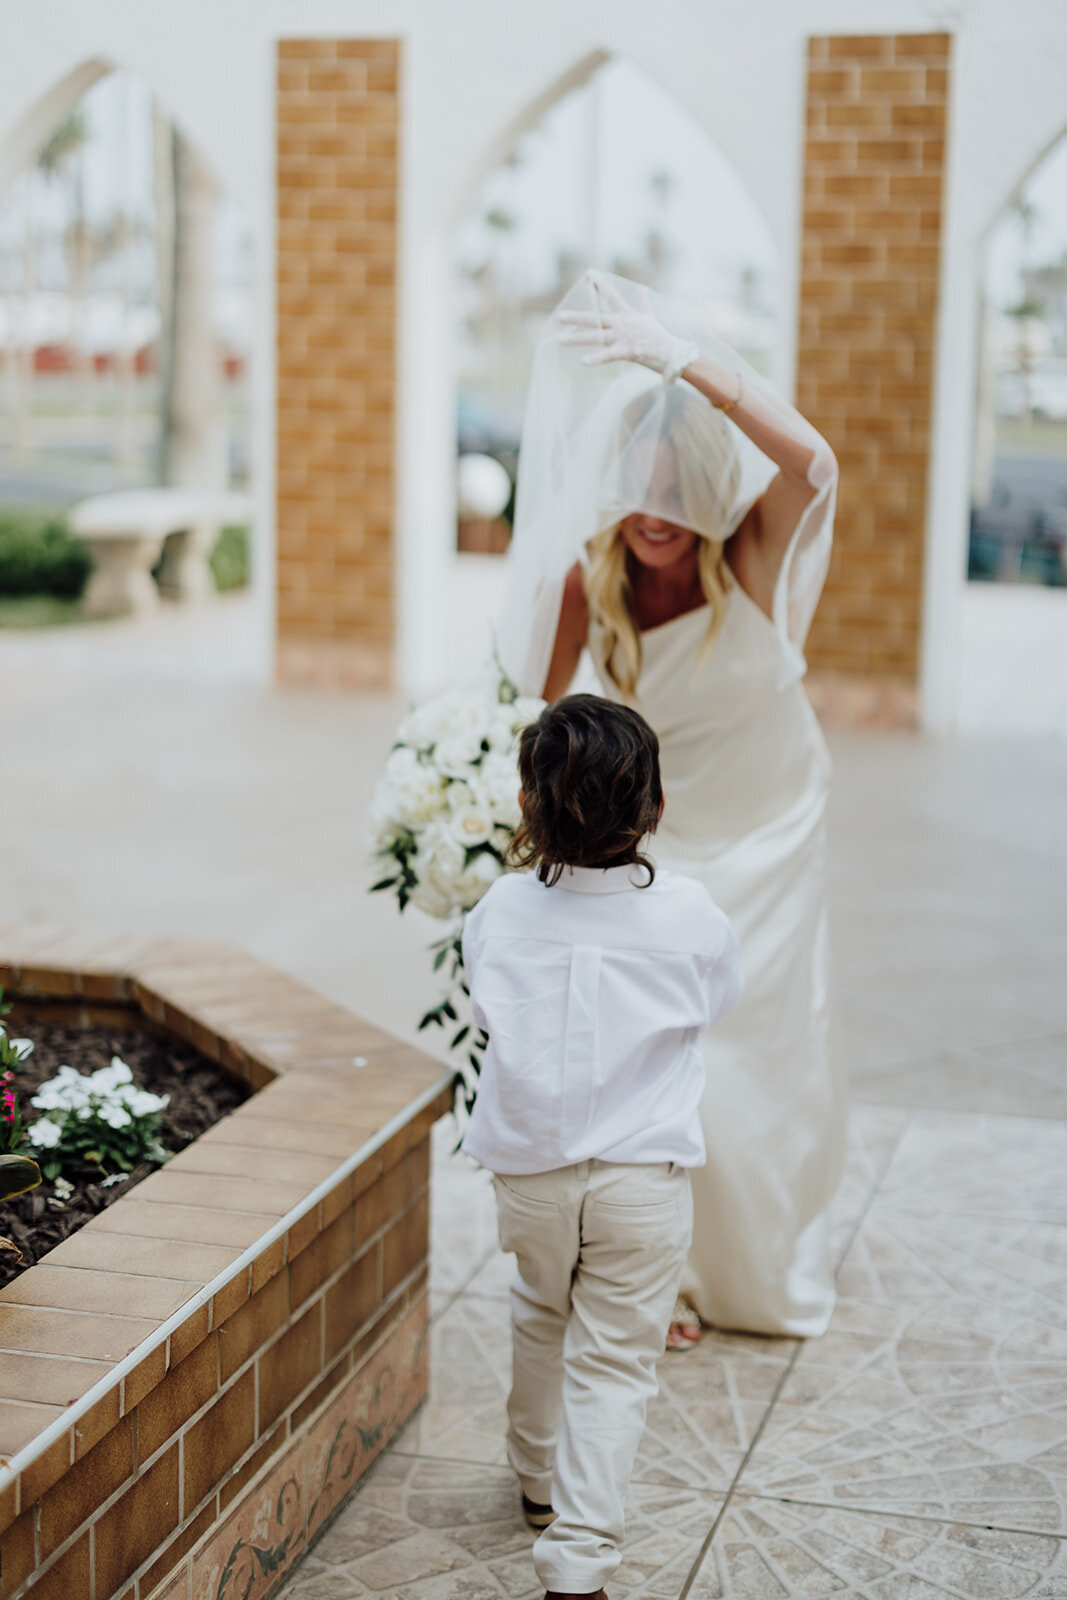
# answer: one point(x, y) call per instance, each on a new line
point(537, 1516)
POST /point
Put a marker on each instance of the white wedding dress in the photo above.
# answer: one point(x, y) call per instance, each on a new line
point(745, 772)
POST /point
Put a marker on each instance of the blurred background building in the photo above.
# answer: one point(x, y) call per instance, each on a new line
point(309, 255)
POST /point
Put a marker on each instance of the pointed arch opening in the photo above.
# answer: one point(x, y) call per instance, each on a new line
point(125, 331)
point(1014, 623)
point(606, 169)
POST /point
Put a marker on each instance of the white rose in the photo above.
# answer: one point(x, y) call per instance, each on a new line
point(527, 708)
point(502, 732)
point(447, 716)
point(44, 1135)
point(438, 867)
point(455, 755)
point(483, 871)
point(501, 783)
point(472, 825)
point(413, 789)
point(383, 828)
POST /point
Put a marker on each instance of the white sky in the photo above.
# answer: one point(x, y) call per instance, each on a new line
point(1046, 190)
point(117, 173)
point(581, 183)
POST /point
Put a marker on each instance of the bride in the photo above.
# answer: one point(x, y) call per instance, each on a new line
point(674, 518)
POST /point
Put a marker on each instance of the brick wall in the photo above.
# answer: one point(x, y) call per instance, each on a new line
point(337, 175)
point(873, 180)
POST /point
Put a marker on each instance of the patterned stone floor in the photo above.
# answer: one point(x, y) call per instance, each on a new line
point(918, 1450)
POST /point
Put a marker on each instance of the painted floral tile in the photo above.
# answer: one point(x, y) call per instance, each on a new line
point(363, 1419)
point(250, 1550)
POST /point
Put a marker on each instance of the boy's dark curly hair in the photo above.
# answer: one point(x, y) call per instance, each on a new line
point(591, 788)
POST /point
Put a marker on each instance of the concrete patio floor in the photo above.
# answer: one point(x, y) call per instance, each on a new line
point(920, 1448)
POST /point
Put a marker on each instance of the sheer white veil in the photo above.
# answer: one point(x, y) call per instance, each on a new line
point(592, 451)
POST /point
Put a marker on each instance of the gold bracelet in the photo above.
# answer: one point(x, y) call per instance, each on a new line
point(728, 405)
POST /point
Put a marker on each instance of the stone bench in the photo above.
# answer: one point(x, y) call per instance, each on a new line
point(129, 530)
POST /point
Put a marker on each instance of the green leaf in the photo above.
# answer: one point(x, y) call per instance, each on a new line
point(383, 883)
point(18, 1174)
point(440, 959)
point(450, 1011)
point(460, 1036)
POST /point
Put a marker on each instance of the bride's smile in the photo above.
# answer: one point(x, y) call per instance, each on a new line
point(656, 542)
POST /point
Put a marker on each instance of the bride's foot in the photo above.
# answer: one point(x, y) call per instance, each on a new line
point(685, 1329)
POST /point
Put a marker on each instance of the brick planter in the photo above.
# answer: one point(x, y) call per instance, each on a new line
point(192, 1383)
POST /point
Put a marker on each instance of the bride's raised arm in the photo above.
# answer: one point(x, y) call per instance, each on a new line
point(807, 469)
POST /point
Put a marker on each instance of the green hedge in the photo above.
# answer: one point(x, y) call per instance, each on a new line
point(39, 557)
point(229, 559)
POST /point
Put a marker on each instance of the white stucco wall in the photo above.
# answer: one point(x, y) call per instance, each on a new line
point(475, 70)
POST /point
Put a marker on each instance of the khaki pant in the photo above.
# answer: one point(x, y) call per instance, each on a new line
point(600, 1249)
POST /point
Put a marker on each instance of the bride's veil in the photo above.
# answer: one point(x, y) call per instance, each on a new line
point(592, 451)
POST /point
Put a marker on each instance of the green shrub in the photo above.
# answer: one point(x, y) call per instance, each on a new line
point(229, 559)
point(39, 557)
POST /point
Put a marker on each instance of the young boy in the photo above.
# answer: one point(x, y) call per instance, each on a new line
point(593, 977)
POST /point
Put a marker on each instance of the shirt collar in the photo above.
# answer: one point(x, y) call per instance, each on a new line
point(603, 880)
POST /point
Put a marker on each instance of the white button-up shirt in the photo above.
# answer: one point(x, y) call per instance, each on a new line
point(594, 993)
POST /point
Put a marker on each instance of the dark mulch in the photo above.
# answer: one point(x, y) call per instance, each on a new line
point(200, 1094)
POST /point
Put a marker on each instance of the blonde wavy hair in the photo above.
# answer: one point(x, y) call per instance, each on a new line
point(709, 471)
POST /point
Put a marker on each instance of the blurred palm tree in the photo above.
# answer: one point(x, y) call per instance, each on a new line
point(62, 158)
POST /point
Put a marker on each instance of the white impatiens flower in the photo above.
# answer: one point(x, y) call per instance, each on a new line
point(114, 1115)
point(142, 1104)
point(107, 1079)
point(82, 1106)
point(44, 1134)
point(21, 1047)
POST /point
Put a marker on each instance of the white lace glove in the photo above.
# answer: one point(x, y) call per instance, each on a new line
point(621, 332)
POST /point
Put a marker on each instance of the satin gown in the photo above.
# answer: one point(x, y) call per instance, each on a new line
point(745, 773)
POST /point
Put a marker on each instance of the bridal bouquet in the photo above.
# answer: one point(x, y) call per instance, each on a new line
point(443, 815)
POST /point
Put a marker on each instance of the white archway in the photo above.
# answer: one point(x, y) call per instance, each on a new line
point(1013, 635)
point(193, 459)
point(448, 600)
point(22, 141)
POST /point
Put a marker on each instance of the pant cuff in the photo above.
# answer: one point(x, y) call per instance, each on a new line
point(569, 1571)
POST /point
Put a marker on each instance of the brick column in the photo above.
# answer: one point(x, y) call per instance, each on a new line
point(873, 178)
point(337, 122)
